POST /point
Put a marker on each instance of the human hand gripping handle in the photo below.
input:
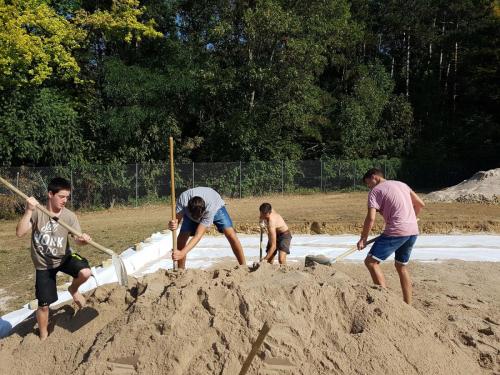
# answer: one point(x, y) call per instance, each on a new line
point(83, 239)
point(173, 224)
point(362, 243)
point(178, 254)
point(31, 204)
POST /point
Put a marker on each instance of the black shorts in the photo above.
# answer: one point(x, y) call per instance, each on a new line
point(282, 242)
point(45, 285)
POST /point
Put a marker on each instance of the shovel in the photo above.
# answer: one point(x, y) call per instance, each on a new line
point(321, 259)
point(120, 269)
point(260, 244)
point(172, 198)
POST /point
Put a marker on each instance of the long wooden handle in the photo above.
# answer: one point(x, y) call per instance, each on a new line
point(352, 250)
point(255, 347)
point(260, 245)
point(68, 227)
point(172, 194)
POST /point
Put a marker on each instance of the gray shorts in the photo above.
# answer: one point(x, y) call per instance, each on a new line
point(282, 242)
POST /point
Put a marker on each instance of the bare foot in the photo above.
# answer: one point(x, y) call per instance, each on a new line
point(77, 297)
point(44, 335)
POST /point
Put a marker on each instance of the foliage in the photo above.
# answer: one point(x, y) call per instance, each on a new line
point(90, 82)
point(36, 43)
point(44, 131)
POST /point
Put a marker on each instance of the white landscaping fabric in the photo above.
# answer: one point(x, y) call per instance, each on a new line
point(156, 255)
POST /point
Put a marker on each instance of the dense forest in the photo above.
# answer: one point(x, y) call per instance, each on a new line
point(107, 81)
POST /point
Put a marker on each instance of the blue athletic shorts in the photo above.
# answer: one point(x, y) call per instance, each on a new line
point(221, 221)
point(385, 246)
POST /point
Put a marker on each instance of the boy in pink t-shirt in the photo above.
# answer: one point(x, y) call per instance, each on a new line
point(399, 205)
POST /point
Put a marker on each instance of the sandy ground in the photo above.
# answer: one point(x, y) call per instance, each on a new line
point(332, 213)
point(324, 319)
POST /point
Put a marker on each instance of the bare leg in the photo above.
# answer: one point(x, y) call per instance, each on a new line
point(375, 271)
point(231, 236)
point(271, 259)
point(83, 276)
point(42, 318)
point(182, 240)
point(282, 257)
point(405, 280)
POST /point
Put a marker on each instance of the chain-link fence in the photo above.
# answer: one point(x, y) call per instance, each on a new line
point(106, 185)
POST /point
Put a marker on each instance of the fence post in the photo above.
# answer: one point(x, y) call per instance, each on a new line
point(240, 179)
point(321, 175)
point(354, 175)
point(193, 174)
point(136, 184)
point(282, 177)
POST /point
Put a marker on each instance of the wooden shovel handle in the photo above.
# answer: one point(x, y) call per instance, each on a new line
point(353, 249)
point(172, 194)
point(255, 347)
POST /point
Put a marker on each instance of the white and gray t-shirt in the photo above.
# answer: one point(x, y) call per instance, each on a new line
point(213, 202)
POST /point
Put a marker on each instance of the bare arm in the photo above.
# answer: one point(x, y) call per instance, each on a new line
point(271, 235)
point(418, 203)
point(367, 227)
point(181, 254)
point(24, 224)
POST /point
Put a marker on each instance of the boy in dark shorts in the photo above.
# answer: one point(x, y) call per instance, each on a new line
point(279, 236)
point(50, 250)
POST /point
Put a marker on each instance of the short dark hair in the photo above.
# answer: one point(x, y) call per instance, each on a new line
point(372, 172)
point(196, 207)
point(265, 208)
point(57, 184)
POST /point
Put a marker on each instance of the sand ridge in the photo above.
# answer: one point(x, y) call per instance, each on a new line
point(482, 187)
point(204, 322)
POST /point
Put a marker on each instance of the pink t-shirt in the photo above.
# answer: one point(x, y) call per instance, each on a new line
point(392, 199)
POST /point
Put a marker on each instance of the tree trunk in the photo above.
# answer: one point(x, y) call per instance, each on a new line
point(441, 51)
point(407, 64)
point(447, 76)
point(455, 75)
point(252, 94)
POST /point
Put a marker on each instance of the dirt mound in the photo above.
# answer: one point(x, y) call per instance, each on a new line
point(204, 322)
point(483, 187)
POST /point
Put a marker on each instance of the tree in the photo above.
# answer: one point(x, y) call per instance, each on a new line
point(36, 43)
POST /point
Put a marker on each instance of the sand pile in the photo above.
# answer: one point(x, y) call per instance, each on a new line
point(483, 187)
point(204, 322)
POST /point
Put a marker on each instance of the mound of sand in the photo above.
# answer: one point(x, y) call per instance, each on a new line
point(483, 187)
point(204, 322)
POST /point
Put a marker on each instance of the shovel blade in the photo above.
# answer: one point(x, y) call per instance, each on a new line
point(121, 271)
point(318, 259)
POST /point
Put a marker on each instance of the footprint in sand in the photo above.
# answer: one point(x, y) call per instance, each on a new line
point(486, 331)
point(486, 360)
point(467, 340)
point(488, 319)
